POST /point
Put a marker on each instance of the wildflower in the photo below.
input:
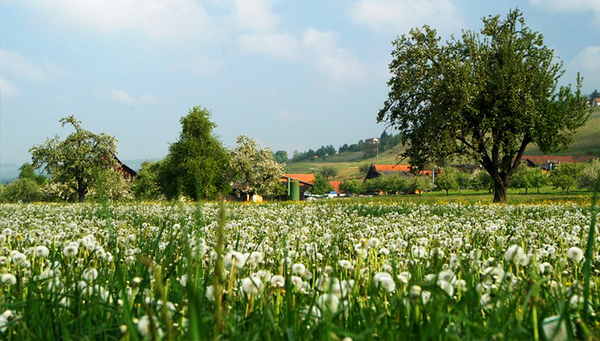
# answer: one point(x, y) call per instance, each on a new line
point(90, 274)
point(183, 280)
point(255, 258)
point(575, 254)
point(373, 242)
point(41, 251)
point(404, 277)
point(446, 286)
point(328, 302)
point(9, 279)
point(70, 250)
point(298, 268)
point(345, 264)
point(385, 280)
point(252, 285)
point(145, 327)
point(516, 254)
point(236, 259)
point(278, 281)
point(210, 292)
point(5, 319)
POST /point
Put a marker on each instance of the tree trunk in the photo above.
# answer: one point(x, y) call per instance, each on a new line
point(81, 196)
point(525, 190)
point(446, 192)
point(499, 192)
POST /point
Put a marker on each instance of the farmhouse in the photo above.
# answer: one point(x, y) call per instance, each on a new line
point(306, 181)
point(549, 162)
point(596, 102)
point(403, 170)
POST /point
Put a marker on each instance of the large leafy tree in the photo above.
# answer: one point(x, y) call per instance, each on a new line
point(76, 161)
point(196, 164)
point(485, 97)
point(253, 168)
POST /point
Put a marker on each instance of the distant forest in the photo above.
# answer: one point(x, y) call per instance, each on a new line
point(386, 141)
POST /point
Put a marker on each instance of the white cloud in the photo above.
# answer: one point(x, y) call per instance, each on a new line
point(339, 64)
point(279, 45)
point(162, 19)
point(125, 97)
point(7, 89)
point(255, 15)
point(577, 6)
point(399, 16)
point(16, 64)
point(587, 63)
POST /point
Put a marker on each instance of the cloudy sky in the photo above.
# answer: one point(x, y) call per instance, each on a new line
point(292, 74)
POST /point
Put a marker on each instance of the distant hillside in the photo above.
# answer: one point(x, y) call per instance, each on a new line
point(587, 142)
point(587, 139)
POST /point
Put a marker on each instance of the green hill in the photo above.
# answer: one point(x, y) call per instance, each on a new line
point(587, 142)
point(587, 139)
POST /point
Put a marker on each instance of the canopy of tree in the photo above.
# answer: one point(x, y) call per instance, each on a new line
point(197, 163)
point(483, 97)
point(76, 161)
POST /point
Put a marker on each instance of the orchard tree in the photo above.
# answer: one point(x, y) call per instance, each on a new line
point(253, 168)
point(566, 175)
point(321, 186)
point(589, 175)
point(447, 179)
point(75, 162)
point(329, 172)
point(352, 186)
point(483, 96)
point(197, 163)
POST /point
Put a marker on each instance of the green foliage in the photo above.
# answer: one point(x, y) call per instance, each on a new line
point(590, 173)
point(364, 168)
point(253, 168)
point(75, 161)
point(22, 190)
point(420, 183)
point(197, 163)
point(329, 172)
point(481, 179)
point(27, 171)
point(321, 186)
point(281, 156)
point(566, 175)
point(111, 185)
point(145, 185)
point(352, 186)
point(483, 97)
point(529, 177)
point(447, 179)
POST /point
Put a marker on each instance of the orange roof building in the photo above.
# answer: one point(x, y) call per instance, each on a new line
point(378, 170)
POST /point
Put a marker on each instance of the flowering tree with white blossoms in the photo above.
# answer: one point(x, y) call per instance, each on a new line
point(253, 168)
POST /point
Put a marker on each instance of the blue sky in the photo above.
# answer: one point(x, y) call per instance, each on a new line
point(292, 74)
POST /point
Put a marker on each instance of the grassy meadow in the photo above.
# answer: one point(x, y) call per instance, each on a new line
point(423, 268)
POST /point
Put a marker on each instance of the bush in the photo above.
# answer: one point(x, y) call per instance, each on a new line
point(22, 190)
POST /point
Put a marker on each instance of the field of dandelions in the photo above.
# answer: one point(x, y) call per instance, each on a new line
point(336, 271)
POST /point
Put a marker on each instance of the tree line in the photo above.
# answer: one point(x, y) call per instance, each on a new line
point(386, 141)
point(84, 166)
point(566, 177)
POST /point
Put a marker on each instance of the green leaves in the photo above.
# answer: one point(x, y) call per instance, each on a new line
point(484, 97)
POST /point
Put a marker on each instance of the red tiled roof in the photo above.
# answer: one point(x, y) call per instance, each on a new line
point(335, 185)
point(544, 159)
point(398, 168)
point(307, 178)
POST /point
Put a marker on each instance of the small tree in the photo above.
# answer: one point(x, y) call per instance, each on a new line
point(481, 180)
point(146, 186)
point(76, 160)
point(329, 172)
point(566, 175)
point(537, 178)
point(253, 168)
point(463, 179)
point(352, 186)
point(521, 179)
point(420, 183)
point(447, 179)
point(197, 163)
point(321, 186)
point(589, 175)
point(22, 190)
